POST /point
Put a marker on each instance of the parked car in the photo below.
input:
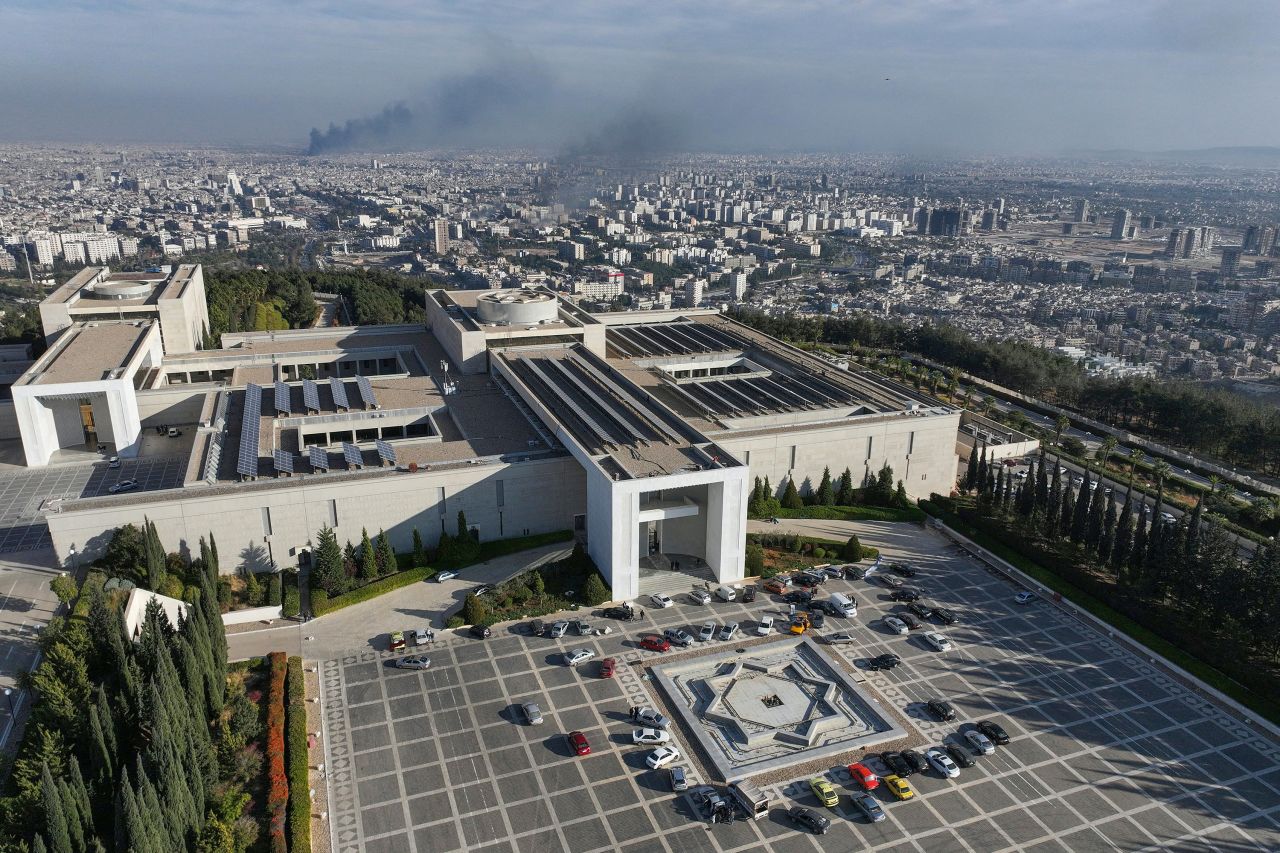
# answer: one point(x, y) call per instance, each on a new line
point(807, 580)
point(414, 662)
point(765, 626)
point(173, 432)
point(939, 761)
point(578, 743)
point(123, 486)
point(799, 623)
point(979, 742)
point(870, 809)
point(936, 640)
point(817, 619)
point(729, 631)
point(916, 760)
point(854, 573)
point(700, 596)
point(581, 628)
point(896, 763)
point(798, 597)
point(624, 613)
point(397, 641)
point(537, 627)
point(422, 636)
point(919, 609)
point(113, 462)
point(481, 632)
point(679, 778)
point(941, 709)
point(1024, 597)
point(896, 625)
point(748, 594)
point(809, 819)
point(902, 569)
point(885, 661)
point(904, 594)
point(532, 713)
point(777, 586)
point(910, 621)
point(833, 573)
point(573, 657)
point(446, 576)
point(726, 593)
point(607, 667)
point(945, 616)
point(899, 787)
point(654, 643)
point(960, 756)
point(840, 639)
point(864, 776)
point(650, 736)
point(677, 637)
point(890, 581)
point(558, 629)
point(824, 791)
point(994, 732)
point(661, 601)
point(662, 756)
point(650, 718)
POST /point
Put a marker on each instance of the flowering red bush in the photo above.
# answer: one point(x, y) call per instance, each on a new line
point(277, 780)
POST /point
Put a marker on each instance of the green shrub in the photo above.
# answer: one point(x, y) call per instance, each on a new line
point(819, 553)
point(852, 549)
point(371, 590)
point(172, 586)
point(475, 611)
point(595, 592)
point(454, 622)
point(319, 602)
point(64, 587)
point(754, 560)
point(224, 594)
point(92, 581)
point(291, 604)
point(275, 586)
point(299, 825)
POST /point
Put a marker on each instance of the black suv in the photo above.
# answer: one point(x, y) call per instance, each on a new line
point(912, 622)
point(904, 595)
point(626, 614)
point(994, 731)
point(817, 618)
point(481, 632)
point(920, 609)
point(960, 756)
point(896, 763)
point(748, 594)
point(809, 819)
point(941, 710)
point(902, 569)
point(885, 661)
point(943, 615)
point(798, 596)
point(916, 760)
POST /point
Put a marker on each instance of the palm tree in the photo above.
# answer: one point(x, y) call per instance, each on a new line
point(1059, 426)
point(1135, 457)
point(986, 404)
point(1104, 452)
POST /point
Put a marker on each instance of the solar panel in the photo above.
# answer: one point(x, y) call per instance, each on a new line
point(311, 395)
point(339, 394)
point(386, 452)
point(352, 454)
point(319, 458)
point(284, 462)
point(247, 461)
point(282, 398)
point(366, 392)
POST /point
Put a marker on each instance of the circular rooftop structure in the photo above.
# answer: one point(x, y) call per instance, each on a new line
point(516, 307)
point(122, 289)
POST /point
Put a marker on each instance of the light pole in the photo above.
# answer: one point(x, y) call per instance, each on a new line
point(8, 695)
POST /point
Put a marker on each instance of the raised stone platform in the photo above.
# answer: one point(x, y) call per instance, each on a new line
point(773, 705)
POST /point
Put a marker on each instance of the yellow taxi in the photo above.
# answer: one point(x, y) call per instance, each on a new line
point(825, 792)
point(899, 787)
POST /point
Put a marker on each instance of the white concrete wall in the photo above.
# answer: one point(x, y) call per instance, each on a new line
point(539, 496)
point(251, 614)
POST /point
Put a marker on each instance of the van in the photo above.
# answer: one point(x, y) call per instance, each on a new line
point(751, 798)
point(726, 593)
point(842, 604)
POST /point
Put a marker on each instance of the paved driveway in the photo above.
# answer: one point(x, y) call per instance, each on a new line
point(1108, 752)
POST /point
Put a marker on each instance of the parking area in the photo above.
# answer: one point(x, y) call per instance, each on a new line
point(24, 491)
point(1107, 751)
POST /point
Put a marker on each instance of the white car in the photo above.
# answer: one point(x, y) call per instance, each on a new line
point(532, 713)
point(446, 576)
point(840, 639)
point(577, 656)
point(729, 631)
point(942, 763)
point(558, 630)
point(896, 625)
point(113, 462)
point(123, 486)
point(706, 632)
point(422, 636)
point(650, 737)
point(700, 596)
point(938, 641)
point(979, 742)
point(662, 756)
point(765, 628)
point(1025, 597)
point(414, 662)
point(650, 718)
point(660, 600)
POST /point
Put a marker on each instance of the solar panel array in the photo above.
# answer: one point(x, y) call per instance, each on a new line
point(386, 452)
point(310, 395)
point(247, 461)
point(352, 454)
point(339, 389)
point(282, 398)
point(672, 339)
point(366, 392)
point(284, 462)
point(319, 458)
point(778, 392)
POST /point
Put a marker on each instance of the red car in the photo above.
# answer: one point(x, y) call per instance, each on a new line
point(862, 774)
point(578, 743)
point(654, 643)
point(776, 586)
point(606, 668)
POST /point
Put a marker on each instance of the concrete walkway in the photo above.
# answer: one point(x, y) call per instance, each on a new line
point(366, 625)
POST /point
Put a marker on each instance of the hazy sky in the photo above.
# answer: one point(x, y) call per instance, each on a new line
point(1023, 76)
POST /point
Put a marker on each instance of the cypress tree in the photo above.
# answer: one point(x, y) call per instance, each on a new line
point(1068, 511)
point(155, 555)
point(38, 846)
point(1042, 487)
point(71, 809)
point(386, 556)
point(971, 471)
point(1080, 519)
point(1054, 509)
point(1107, 542)
point(826, 491)
point(100, 761)
point(998, 496)
point(844, 494)
point(1026, 492)
point(55, 819)
point(768, 490)
point(1093, 532)
point(1124, 539)
point(213, 566)
point(1138, 552)
point(980, 479)
point(368, 562)
point(791, 497)
point(1193, 526)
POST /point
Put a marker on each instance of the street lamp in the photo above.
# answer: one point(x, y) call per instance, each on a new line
point(8, 695)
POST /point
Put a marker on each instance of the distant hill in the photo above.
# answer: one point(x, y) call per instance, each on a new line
point(1253, 156)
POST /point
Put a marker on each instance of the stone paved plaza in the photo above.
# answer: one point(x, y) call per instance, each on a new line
point(1107, 751)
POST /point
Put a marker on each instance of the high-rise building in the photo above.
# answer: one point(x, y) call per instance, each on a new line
point(1230, 267)
point(1120, 225)
point(989, 219)
point(693, 292)
point(233, 184)
point(440, 236)
point(1082, 210)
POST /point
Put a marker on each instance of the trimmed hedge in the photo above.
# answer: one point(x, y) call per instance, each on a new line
point(94, 580)
point(855, 513)
point(275, 586)
point(296, 759)
point(321, 603)
point(277, 780)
